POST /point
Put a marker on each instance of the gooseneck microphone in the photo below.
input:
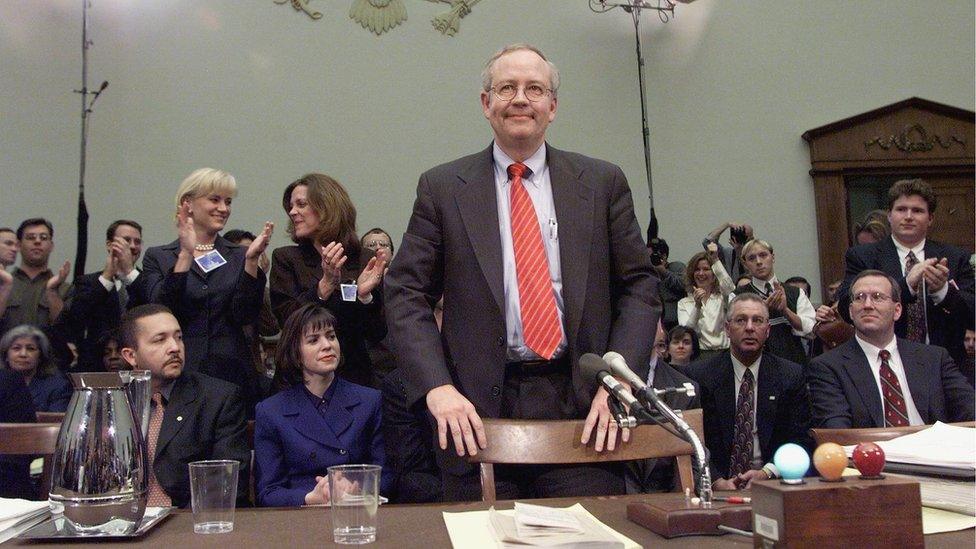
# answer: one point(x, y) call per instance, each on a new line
point(592, 367)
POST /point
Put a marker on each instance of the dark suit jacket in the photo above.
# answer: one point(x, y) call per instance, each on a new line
point(51, 393)
point(295, 274)
point(212, 308)
point(658, 475)
point(409, 441)
point(204, 419)
point(845, 395)
point(16, 406)
point(782, 407)
point(294, 442)
point(947, 321)
point(90, 311)
point(452, 247)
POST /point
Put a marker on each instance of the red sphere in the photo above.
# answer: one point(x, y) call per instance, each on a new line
point(869, 459)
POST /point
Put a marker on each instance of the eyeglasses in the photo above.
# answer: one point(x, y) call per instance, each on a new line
point(43, 237)
point(741, 321)
point(876, 297)
point(377, 244)
point(532, 92)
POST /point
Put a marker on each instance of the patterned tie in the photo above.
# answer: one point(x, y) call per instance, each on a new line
point(769, 289)
point(742, 435)
point(540, 319)
point(916, 312)
point(895, 410)
point(157, 496)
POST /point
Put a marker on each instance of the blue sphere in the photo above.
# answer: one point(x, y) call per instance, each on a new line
point(792, 461)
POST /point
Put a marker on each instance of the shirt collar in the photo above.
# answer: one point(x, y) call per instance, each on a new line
point(903, 250)
point(872, 352)
point(761, 284)
point(321, 403)
point(166, 389)
point(740, 368)
point(536, 163)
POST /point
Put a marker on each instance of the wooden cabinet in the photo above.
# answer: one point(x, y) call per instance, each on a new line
point(855, 160)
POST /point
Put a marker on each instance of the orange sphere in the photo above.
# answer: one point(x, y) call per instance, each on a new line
point(830, 460)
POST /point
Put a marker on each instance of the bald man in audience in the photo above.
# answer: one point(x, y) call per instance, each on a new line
point(194, 416)
point(880, 380)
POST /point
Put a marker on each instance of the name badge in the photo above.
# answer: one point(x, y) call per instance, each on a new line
point(349, 291)
point(210, 261)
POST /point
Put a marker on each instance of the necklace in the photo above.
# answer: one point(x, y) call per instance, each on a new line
point(203, 247)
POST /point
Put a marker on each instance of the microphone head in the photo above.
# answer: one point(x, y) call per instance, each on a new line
point(591, 365)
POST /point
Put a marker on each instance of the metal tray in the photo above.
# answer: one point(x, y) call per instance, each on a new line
point(57, 528)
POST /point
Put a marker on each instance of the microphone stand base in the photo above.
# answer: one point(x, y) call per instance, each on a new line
point(671, 515)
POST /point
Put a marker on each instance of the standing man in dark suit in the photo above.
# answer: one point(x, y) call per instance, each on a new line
point(96, 301)
point(539, 258)
point(194, 416)
point(935, 279)
point(879, 380)
point(753, 402)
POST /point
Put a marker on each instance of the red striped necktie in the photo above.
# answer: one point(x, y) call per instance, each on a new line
point(537, 303)
point(895, 409)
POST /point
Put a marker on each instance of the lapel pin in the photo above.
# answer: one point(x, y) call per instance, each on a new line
point(772, 397)
point(179, 418)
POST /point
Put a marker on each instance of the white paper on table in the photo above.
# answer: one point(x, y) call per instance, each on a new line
point(16, 515)
point(937, 521)
point(533, 520)
point(472, 529)
point(939, 445)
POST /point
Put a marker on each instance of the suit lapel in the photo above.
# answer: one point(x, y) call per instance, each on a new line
point(768, 392)
point(478, 208)
point(916, 376)
point(859, 370)
point(310, 421)
point(179, 409)
point(573, 200)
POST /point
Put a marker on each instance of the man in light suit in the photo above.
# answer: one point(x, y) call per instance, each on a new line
point(879, 380)
point(937, 291)
point(202, 417)
point(596, 293)
point(741, 451)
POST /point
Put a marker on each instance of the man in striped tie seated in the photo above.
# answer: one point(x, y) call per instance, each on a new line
point(879, 380)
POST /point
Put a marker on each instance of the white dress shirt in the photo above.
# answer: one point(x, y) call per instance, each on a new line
point(919, 251)
point(898, 367)
point(708, 321)
point(804, 309)
point(539, 188)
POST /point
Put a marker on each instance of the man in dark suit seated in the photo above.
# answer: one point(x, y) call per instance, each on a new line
point(879, 380)
point(194, 416)
point(96, 301)
point(753, 402)
point(935, 280)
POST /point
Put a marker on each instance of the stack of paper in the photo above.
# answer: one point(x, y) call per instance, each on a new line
point(17, 515)
point(940, 445)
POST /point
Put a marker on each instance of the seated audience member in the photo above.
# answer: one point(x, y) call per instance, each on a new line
point(874, 228)
point(32, 294)
point(16, 406)
point(327, 255)
point(830, 296)
point(381, 352)
point(753, 401)
point(213, 287)
point(792, 316)
point(731, 258)
point(879, 380)
point(409, 445)
point(25, 350)
point(935, 279)
point(317, 420)
point(8, 247)
point(658, 474)
point(969, 367)
point(671, 288)
point(194, 416)
point(96, 301)
point(803, 285)
point(682, 346)
point(109, 347)
point(743, 281)
point(704, 309)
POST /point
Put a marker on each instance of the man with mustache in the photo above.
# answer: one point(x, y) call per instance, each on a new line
point(32, 294)
point(935, 279)
point(753, 402)
point(879, 380)
point(194, 417)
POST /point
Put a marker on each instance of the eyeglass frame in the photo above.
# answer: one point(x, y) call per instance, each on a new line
point(876, 297)
point(741, 322)
point(545, 91)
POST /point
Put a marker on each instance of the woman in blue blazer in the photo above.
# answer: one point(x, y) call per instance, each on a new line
point(316, 420)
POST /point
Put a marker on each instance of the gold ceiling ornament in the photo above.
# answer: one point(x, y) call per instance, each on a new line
point(301, 5)
point(915, 138)
point(379, 16)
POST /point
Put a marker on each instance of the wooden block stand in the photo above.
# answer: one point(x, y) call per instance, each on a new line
point(853, 513)
point(672, 517)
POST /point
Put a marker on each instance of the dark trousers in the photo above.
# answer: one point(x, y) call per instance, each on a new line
point(539, 391)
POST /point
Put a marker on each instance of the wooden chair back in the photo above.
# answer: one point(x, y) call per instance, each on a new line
point(848, 437)
point(50, 417)
point(31, 439)
point(523, 442)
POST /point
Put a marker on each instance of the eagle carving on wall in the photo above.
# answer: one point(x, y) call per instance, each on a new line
point(379, 16)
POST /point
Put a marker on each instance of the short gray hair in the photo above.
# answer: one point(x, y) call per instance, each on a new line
point(746, 296)
point(486, 73)
point(45, 362)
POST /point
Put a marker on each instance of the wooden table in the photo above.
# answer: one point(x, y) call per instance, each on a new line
point(420, 526)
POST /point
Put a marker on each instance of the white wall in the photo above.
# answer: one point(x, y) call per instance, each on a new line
point(264, 92)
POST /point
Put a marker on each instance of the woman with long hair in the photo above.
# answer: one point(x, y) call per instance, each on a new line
point(327, 265)
point(213, 287)
point(703, 311)
point(316, 420)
